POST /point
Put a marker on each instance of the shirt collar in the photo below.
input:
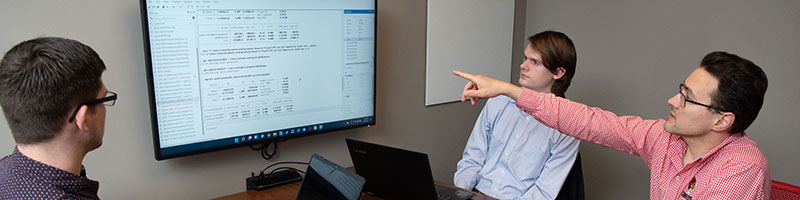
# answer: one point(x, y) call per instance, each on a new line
point(721, 145)
point(682, 147)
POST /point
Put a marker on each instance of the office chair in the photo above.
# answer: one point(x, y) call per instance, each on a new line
point(573, 185)
point(781, 191)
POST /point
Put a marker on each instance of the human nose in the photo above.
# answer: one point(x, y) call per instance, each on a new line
point(675, 101)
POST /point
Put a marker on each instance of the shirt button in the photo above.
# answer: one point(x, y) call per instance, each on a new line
point(517, 135)
point(503, 171)
point(528, 117)
point(506, 153)
point(677, 178)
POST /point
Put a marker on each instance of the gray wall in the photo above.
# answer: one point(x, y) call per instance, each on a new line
point(633, 54)
point(125, 166)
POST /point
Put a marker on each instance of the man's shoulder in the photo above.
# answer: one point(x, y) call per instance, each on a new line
point(16, 183)
point(22, 185)
point(21, 179)
point(500, 99)
point(499, 102)
point(25, 178)
point(4, 162)
point(501, 105)
point(744, 150)
point(15, 172)
point(7, 164)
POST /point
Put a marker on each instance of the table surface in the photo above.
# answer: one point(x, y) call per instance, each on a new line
point(289, 191)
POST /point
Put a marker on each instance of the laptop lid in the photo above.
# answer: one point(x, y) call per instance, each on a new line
point(327, 180)
point(392, 173)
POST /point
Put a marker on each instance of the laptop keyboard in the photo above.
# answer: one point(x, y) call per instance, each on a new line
point(450, 193)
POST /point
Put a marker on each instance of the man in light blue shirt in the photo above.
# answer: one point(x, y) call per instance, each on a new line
point(510, 155)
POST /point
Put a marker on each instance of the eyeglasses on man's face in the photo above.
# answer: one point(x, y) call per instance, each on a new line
point(684, 99)
point(109, 100)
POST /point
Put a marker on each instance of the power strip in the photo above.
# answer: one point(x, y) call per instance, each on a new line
point(277, 178)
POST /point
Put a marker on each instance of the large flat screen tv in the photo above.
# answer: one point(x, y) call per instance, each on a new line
point(230, 73)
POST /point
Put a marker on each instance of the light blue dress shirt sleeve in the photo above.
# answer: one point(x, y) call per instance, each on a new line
point(510, 155)
point(474, 153)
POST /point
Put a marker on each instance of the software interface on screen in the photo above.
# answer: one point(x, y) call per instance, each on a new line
point(238, 71)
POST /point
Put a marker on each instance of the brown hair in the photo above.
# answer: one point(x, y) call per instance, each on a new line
point(41, 81)
point(741, 88)
point(557, 50)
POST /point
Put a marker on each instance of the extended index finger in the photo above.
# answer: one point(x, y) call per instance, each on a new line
point(464, 75)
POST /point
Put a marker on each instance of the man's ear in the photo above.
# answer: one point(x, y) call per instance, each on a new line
point(725, 122)
point(82, 117)
point(559, 73)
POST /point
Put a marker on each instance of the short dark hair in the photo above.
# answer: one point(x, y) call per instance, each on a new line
point(557, 50)
point(42, 80)
point(741, 88)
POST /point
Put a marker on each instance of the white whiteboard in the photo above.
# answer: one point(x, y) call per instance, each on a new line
point(474, 36)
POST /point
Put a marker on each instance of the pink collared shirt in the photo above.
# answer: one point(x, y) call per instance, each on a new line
point(735, 169)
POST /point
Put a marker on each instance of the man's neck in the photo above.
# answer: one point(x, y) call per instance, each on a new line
point(66, 157)
point(699, 146)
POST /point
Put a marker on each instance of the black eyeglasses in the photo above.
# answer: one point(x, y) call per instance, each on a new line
point(109, 100)
point(685, 99)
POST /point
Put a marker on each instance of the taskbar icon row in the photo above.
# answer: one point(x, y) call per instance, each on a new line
point(275, 134)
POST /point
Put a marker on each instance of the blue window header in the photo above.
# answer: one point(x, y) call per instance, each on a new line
point(359, 11)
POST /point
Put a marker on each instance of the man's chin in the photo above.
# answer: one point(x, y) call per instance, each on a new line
point(670, 129)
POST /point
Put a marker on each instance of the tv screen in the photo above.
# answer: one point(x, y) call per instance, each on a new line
point(230, 73)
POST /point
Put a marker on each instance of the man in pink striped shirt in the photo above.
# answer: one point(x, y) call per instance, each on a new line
point(699, 152)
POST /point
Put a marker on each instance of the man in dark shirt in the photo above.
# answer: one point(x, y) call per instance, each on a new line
point(53, 98)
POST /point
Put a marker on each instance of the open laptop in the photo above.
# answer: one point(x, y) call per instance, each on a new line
point(394, 173)
point(327, 180)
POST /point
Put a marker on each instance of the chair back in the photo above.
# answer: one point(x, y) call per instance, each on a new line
point(784, 191)
point(573, 185)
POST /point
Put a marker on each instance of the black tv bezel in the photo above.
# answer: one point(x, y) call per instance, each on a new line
point(151, 97)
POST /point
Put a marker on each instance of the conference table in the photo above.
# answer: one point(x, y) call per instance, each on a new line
point(289, 191)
